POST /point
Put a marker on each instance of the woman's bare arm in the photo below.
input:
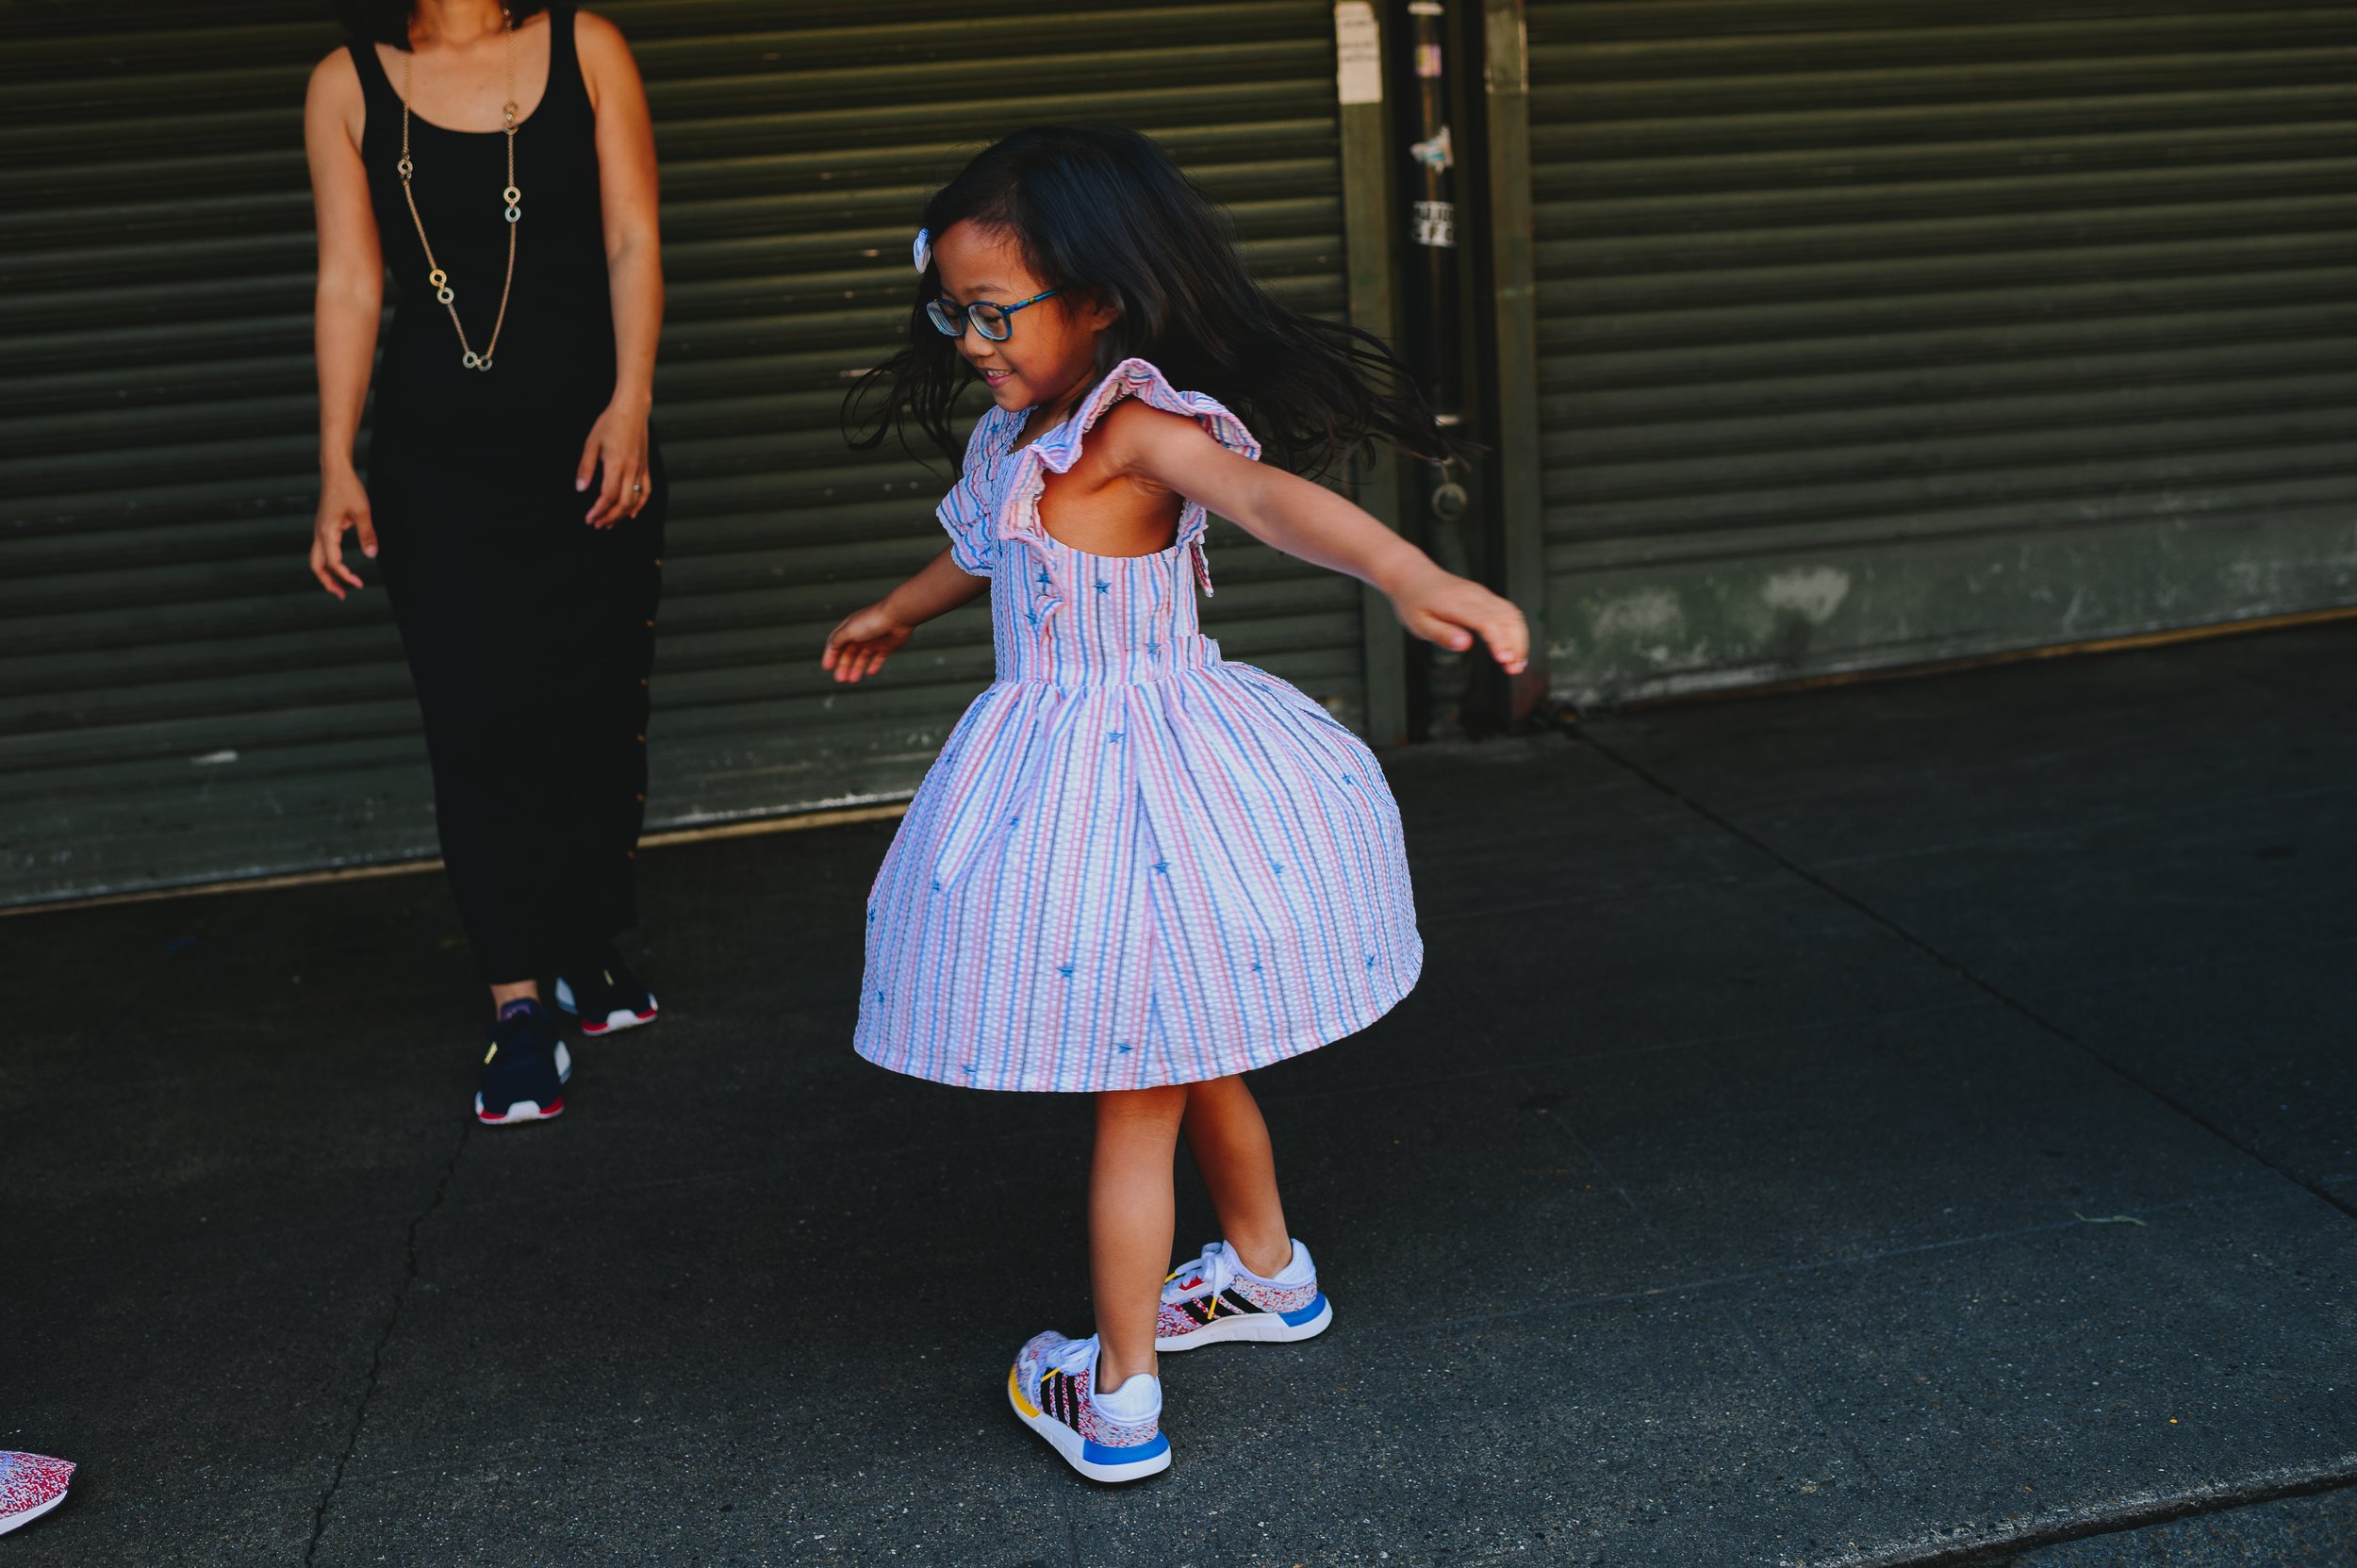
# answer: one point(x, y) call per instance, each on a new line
point(346, 309)
point(627, 191)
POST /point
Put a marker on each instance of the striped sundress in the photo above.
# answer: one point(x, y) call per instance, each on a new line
point(1135, 863)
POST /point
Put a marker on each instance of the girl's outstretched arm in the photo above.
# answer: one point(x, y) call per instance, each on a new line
point(867, 637)
point(1281, 510)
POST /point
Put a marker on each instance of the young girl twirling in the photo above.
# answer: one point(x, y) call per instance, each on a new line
point(1138, 869)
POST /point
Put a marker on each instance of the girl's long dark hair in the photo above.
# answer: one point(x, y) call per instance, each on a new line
point(1101, 209)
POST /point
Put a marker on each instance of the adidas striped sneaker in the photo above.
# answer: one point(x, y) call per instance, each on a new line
point(1114, 1437)
point(30, 1486)
point(1215, 1299)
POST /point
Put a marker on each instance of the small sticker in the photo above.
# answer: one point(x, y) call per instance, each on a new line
point(1427, 59)
point(1357, 52)
point(1434, 154)
point(1436, 224)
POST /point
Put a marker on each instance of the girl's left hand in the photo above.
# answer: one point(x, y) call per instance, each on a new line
point(862, 641)
point(614, 458)
point(1440, 607)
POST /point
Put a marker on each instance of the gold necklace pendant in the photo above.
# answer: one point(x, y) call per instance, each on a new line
point(511, 200)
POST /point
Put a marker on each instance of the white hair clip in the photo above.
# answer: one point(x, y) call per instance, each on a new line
point(923, 250)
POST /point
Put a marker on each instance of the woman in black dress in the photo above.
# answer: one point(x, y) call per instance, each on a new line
point(499, 161)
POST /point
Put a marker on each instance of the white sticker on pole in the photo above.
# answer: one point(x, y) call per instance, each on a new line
point(1357, 52)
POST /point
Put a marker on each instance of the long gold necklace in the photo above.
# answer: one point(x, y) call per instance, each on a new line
point(435, 278)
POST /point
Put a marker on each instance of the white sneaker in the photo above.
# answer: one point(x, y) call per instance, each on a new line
point(1114, 1437)
point(1216, 1299)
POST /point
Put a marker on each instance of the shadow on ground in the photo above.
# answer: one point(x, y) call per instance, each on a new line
point(1900, 1123)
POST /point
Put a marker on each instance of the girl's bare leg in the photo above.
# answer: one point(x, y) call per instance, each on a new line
point(1130, 1217)
point(1230, 1145)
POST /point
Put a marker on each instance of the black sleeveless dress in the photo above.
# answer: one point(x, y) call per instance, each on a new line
point(528, 635)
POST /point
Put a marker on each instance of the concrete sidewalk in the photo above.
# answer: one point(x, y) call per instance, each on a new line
point(1913, 1122)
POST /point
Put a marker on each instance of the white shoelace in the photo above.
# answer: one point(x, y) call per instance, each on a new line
point(1074, 1357)
point(1209, 1275)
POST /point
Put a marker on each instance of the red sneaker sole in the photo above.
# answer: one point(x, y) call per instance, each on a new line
point(556, 1108)
point(610, 1026)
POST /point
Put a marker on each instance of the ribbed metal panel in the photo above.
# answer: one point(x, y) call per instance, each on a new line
point(178, 701)
point(1879, 333)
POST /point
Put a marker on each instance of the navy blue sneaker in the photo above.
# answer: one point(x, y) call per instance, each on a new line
point(526, 1069)
point(605, 995)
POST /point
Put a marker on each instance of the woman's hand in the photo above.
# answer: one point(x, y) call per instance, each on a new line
point(343, 504)
point(860, 644)
point(1451, 611)
point(614, 459)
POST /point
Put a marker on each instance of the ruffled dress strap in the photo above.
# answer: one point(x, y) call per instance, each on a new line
point(1058, 449)
point(965, 511)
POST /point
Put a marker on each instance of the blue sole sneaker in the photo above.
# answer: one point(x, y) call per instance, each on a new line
point(1215, 1300)
point(1050, 1387)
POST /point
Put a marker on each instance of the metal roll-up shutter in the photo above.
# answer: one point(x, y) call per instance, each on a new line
point(179, 703)
point(1875, 333)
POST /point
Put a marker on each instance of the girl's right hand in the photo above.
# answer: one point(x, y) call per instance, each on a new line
point(343, 504)
point(1442, 608)
point(860, 644)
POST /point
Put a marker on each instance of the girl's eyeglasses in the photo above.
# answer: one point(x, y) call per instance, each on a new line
point(988, 319)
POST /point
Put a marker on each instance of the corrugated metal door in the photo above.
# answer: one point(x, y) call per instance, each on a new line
point(178, 703)
point(1873, 333)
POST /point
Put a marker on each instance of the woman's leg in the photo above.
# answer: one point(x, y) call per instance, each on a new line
point(1131, 1205)
point(1230, 1145)
point(613, 582)
point(450, 563)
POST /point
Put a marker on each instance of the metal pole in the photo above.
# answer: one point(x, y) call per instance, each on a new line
point(1436, 344)
point(1367, 220)
point(1433, 228)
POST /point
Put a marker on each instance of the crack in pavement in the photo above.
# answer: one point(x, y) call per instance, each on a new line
point(377, 1356)
point(2000, 1545)
point(1961, 970)
point(2003, 1547)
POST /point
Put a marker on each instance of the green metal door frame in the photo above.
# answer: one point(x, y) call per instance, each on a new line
point(1505, 83)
